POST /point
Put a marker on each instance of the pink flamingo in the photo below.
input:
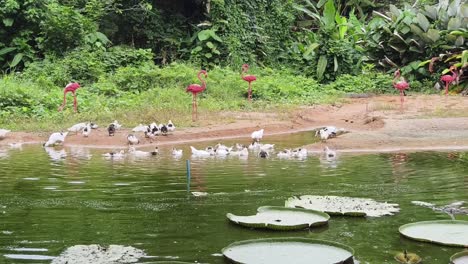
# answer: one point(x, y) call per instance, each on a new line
point(448, 79)
point(71, 87)
point(195, 89)
point(248, 78)
point(401, 85)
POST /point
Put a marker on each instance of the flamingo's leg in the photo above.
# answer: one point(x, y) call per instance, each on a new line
point(75, 103)
point(401, 99)
point(64, 101)
point(250, 91)
point(446, 87)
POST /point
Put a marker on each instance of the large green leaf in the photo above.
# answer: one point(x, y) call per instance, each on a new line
point(395, 11)
point(423, 22)
point(321, 66)
point(329, 11)
point(453, 8)
point(17, 59)
point(6, 50)
point(204, 35)
point(431, 11)
point(8, 22)
point(464, 11)
point(311, 48)
point(214, 36)
point(103, 38)
point(433, 34)
point(454, 23)
point(307, 12)
point(321, 3)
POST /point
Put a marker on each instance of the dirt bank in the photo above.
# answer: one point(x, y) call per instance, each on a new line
point(375, 124)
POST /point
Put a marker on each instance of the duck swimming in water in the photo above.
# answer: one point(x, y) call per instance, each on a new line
point(406, 257)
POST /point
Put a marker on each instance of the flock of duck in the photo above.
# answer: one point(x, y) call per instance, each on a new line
point(152, 130)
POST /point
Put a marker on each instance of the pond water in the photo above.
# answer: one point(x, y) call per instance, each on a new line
point(51, 201)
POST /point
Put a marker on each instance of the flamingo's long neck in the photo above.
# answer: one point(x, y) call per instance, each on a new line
point(244, 71)
point(397, 77)
point(201, 80)
point(454, 73)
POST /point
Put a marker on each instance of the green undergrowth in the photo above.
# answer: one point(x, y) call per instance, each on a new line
point(147, 93)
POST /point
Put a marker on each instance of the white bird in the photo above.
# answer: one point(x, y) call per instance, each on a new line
point(170, 126)
point(77, 127)
point(138, 153)
point(140, 128)
point(324, 135)
point(87, 130)
point(254, 145)
point(176, 152)
point(117, 125)
point(257, 135)
point(267, 146)
point(3, 133)
point(240, 146)
point(221, 152)
point(299, 153)
point(199, 152)
point(55, 154)
point(115, 155)
point(56, 138)
point(241, 153)
point(132, 139)
point(284, 153)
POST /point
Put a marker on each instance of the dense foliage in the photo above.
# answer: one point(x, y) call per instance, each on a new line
point(125, 52)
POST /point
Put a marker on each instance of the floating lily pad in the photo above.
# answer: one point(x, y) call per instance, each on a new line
point(288, 250)
point(281, 218)
point(459, 258)
point(97, 254)
point(444, 232)
point(338, 205)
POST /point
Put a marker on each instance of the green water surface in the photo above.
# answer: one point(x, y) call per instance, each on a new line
point(49, 202)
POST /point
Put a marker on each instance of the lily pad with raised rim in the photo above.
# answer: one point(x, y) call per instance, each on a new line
point(444, 232)
point(341, 205)
point(288, 250)
point(459, 258)
point(281, 218)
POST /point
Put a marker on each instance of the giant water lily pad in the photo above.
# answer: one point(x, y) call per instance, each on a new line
point(459, 258)
point(97, 254)
point(340, 205)
point(445, 232)
point(281, 218)
point(288, 250)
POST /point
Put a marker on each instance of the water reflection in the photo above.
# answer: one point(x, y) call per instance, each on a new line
point(56, 154)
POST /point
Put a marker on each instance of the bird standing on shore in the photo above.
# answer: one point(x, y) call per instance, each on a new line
point(196, 89)
point(132, 139)
point(249, 79)
point(257, 135)
point(111, 129)
point(56, 138)
point(448, 79)
point(401, 85)
point(170, 126)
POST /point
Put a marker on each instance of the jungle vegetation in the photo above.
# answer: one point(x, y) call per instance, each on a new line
point(134, 58)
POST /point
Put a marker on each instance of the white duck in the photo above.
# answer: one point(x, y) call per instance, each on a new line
point(176, 152)
point(267, 147)
point(285, 154)
point(221, 152)
point(257, 135)
point(77, 127)
point(132, 139)
point(56, 138)
point(114, 155)
point(254, 145)
point(240, 153)
point(87, 130)
point(199, 152)
point(140, 128)
point(117, 125)
point(324, 135)
point(300, 153)
point(170, 126)
point(139, 153)
point(3, 133)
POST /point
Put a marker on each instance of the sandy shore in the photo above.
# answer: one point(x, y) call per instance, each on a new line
point(427, 122)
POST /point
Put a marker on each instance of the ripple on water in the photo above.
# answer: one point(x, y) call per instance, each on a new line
point(29, 249)
point(31, 179)
point(28, 257)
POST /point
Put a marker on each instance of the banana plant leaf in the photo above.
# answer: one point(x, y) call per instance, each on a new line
point(281, 218)
point(288, 250)
point(341, 205)
point(444, 232)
